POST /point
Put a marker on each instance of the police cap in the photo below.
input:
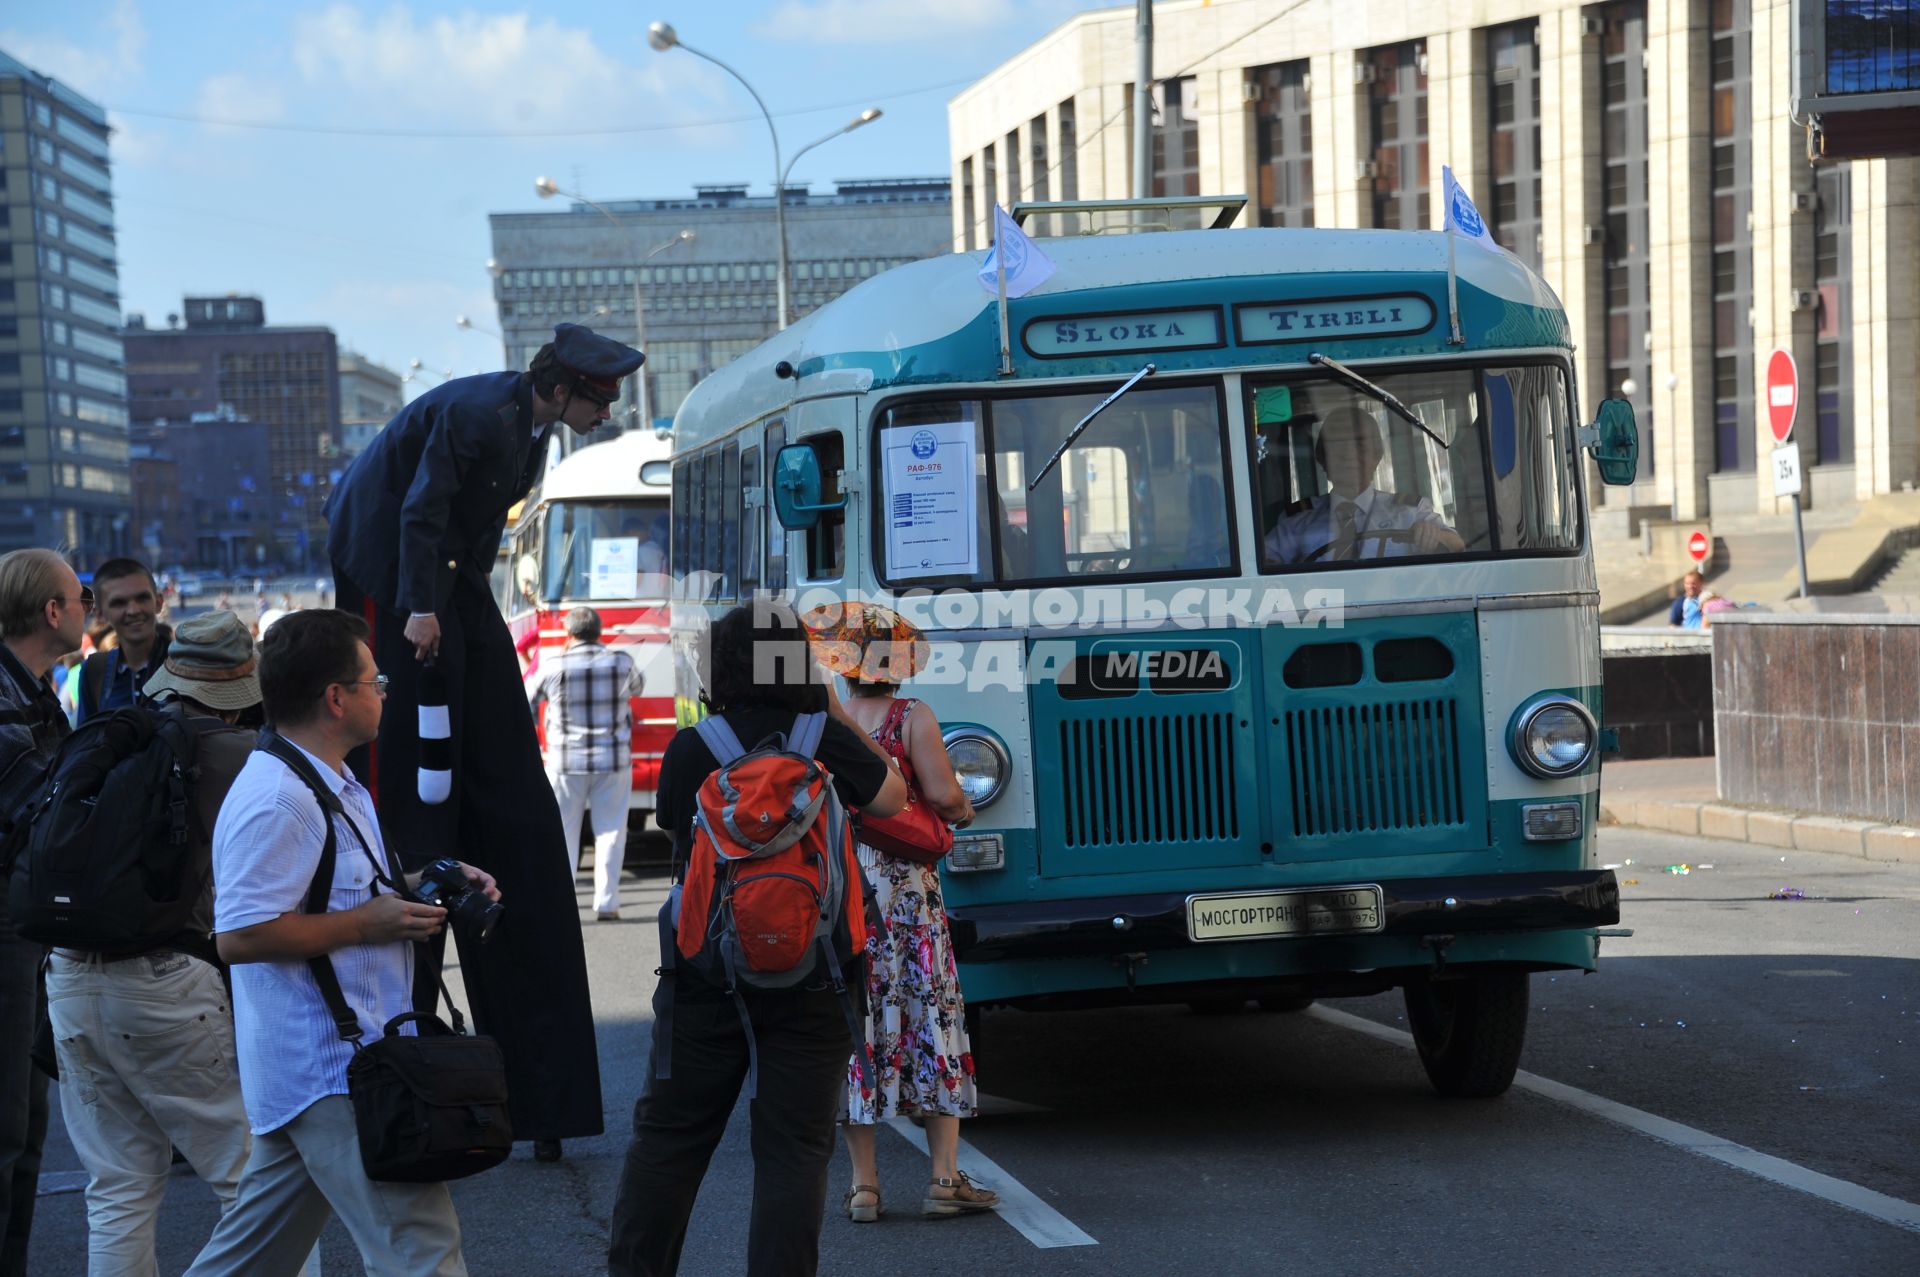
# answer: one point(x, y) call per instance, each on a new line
point(597, 363)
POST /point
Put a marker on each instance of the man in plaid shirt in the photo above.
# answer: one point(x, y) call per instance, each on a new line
point(588, 690)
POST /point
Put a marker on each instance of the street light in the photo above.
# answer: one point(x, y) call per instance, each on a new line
point(865, 117)
point(662, 37)
point(546, 188)
point(461, 321)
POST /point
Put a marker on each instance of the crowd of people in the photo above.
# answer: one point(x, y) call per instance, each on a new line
point(225, 1039)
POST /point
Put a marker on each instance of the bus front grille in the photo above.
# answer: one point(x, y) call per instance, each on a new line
point(1374, 768)
point(1160, 779)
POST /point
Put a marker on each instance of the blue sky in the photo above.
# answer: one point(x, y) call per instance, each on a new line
point(384, 238)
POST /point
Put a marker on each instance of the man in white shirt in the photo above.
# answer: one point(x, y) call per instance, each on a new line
point(323, 693)
point(1355, 520)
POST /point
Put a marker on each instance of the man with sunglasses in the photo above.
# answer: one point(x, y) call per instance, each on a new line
point(43, 616)
point(414, 528)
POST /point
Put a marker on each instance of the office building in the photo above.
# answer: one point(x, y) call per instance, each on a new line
point(201, 499)
point(63, 386)
point(694, 303)
point(370, 395)
point(1640, 154)
point(287, 379)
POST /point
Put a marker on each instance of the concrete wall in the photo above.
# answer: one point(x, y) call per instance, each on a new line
point(1819, 712)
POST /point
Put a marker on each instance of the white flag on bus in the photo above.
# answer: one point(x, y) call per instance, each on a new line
point(1462, 217)
point(1027, 266)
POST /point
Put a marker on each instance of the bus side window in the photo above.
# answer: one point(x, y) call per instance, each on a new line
point(682, 520)
point(751, 516)
point(712, 513)
point(724, 516)
point(826, 540)
point(776, 535)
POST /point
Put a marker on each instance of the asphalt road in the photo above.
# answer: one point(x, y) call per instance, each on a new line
point(1179, 1143)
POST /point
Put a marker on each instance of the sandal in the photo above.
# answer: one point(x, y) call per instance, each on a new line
point(967, 1197)
point(863, 1214)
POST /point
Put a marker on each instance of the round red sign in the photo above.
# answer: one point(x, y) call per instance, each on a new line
point(1783, 394)
point(1698, 546)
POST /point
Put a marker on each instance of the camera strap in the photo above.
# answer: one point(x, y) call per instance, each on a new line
point(345, 1022)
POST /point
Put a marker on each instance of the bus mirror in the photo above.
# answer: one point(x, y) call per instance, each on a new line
point(656, 474)
point(796, 488)
point(527, 577)
point(1614, 442)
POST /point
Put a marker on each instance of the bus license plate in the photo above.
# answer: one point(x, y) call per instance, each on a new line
point(1253, 915)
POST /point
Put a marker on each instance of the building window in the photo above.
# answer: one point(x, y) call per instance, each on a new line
point(1069, 154)
point(1038, 165)
point(989, 183)
point(1625, 270)
point(1513, 116)
point(1732, 177)
point(1833, 332)
point(1176, 138)
point(1283, 127)
point(1398, 98)
point(1012, 147)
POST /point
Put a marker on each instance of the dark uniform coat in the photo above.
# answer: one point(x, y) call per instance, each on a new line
point(415, 526)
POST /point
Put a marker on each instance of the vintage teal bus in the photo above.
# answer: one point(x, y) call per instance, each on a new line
point(1269, 618)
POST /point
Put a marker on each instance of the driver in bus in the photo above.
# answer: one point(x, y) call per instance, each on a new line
point(1356, 520)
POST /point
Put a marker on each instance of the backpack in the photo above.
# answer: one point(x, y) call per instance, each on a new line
point(772, 893)
point(112, 855)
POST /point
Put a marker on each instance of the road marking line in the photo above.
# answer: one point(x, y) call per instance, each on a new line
point(1036, 1221)
point(1840, 1192)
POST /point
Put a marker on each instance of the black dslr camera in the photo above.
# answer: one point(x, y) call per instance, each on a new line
point(444, 884)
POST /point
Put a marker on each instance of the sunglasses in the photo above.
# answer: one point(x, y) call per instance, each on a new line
point(86, 599)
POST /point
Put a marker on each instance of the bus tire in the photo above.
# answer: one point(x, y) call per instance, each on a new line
point(1469, 1031)
point(1286, 1002)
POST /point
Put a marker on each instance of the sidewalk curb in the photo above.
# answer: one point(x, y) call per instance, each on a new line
point(1761, 827)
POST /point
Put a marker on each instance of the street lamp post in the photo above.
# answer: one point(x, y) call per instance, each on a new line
point(662, 37)
point(546, 188)
point(865, 117)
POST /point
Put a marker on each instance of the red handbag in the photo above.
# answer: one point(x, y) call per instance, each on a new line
point(915, 832)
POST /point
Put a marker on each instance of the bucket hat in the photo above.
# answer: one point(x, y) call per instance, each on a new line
point(211, 660)
point(867, 642)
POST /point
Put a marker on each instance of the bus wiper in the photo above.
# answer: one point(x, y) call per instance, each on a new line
point(1086, 421)
point(1366, 387)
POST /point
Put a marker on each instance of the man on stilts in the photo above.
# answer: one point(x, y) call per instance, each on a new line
point(414, 528)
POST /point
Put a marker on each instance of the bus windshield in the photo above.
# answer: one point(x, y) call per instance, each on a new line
point(613, 549)
point(1141, 493)
point(1339, 480)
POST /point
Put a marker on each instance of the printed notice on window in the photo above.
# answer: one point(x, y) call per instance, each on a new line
point(930, 508)
point(615, 567)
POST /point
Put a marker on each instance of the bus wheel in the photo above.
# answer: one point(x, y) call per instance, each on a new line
point(1286, 1002)
point(1217, 1005)
point(1469, 1030)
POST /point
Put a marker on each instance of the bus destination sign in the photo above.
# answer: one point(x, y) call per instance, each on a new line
point(1327, 318)
point(1090, 336)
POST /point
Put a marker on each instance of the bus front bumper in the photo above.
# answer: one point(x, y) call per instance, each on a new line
point(1419, 907)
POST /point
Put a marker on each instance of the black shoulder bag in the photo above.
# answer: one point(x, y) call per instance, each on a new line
point(427, 1108)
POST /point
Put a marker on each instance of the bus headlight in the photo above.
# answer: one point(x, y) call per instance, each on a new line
point(1554, 737)
point(980, 762)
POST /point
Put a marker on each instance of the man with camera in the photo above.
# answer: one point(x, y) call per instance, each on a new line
point(323, 694)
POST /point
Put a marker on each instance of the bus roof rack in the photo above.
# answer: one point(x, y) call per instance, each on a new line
point(1066, 218)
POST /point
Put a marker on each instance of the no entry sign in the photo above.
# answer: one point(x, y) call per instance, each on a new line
point(1698, 546)
point(1783, 394)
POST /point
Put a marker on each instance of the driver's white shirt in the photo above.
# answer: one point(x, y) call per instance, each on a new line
point(1299, 534)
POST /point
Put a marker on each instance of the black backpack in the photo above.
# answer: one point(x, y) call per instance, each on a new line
point(112, 857)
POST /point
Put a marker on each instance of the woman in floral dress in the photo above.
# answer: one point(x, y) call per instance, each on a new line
point(916, 1020)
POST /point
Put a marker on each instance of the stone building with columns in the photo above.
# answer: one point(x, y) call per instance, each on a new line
point(1640, 154)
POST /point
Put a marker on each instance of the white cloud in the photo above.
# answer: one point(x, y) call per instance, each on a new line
point(99, 67)
point(233, 95)
point(504, 71)
point(896, 21)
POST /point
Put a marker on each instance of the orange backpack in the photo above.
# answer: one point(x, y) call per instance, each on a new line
point(772, 894)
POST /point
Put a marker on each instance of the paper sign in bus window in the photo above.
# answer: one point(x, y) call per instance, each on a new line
point(930, 503)
point(614, 567)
